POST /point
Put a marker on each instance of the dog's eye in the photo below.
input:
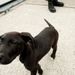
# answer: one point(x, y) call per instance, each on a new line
point(13, 43)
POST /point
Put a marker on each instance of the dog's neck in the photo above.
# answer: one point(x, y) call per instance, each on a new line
point(26, 53)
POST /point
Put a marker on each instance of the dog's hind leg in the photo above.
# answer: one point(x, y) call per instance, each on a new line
point(40, 71)
point(53, 55)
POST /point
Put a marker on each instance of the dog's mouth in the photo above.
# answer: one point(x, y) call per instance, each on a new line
point(6, 60)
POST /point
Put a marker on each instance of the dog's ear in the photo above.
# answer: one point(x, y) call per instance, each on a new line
point(27, 37)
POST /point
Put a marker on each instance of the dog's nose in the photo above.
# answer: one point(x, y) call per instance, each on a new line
point(1, 56)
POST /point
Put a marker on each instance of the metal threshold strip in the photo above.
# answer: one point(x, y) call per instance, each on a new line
point(4, 8)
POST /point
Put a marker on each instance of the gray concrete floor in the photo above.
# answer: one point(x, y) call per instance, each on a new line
point(29, 17)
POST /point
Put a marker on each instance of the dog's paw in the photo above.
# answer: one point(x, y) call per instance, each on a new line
point(53, 56)
point(40, 72)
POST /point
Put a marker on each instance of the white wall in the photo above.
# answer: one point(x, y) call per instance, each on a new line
point(3, 1)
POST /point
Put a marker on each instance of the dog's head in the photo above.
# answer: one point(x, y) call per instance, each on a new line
point(12, 44)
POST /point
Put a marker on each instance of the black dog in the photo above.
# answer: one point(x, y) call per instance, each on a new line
point(31, 50)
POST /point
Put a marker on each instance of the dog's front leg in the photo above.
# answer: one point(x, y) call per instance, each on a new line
point(38, 68)
point(34, 72)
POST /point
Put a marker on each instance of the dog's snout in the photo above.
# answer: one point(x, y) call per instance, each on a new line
point(1, 56)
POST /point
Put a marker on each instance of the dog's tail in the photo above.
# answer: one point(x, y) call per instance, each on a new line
point(48, 23)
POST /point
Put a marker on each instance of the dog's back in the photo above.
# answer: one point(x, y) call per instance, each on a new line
point(45, 40)
point(49, 33)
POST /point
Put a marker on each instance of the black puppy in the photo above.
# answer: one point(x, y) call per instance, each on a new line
point(30, 49)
